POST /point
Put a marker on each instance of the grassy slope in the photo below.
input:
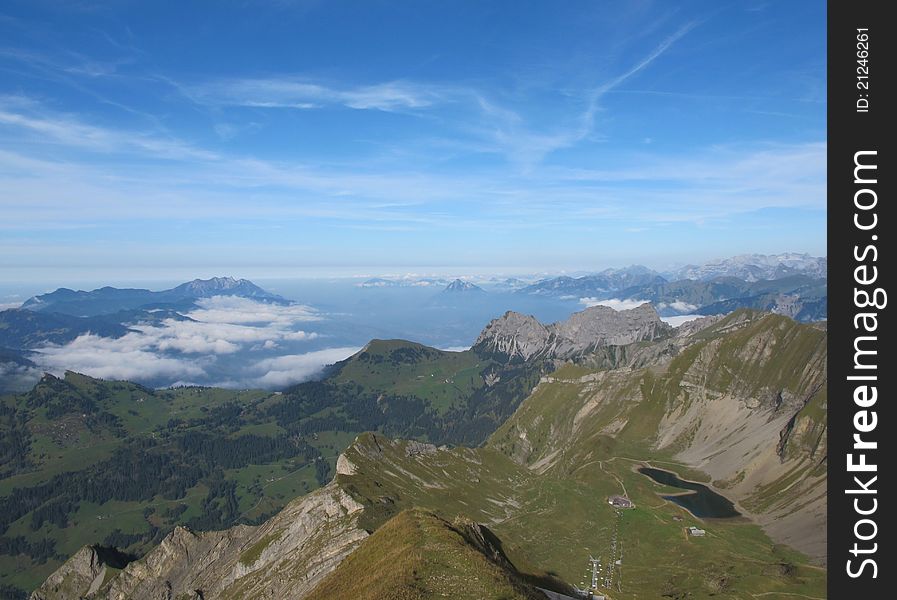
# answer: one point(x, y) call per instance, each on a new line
point(444, 379)
point(552, 523)
point(416, 555)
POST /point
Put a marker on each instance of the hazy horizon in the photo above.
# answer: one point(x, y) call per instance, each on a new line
point(158, 278)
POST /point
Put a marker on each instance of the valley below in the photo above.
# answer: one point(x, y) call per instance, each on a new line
point(495, 472)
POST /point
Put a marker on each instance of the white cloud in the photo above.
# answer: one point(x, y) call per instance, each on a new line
point(220, 331)
point(233, 309)
point(679, 320)
point(297, 93)
point(613, 303)
point(455, 348)
point(179, 351)
point(46, 126)
point(123, 358)
point(712, 183)
point(680, 306)
point(16, 377)
point(285, 370)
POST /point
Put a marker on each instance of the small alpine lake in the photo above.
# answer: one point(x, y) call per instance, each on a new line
point(701, 501)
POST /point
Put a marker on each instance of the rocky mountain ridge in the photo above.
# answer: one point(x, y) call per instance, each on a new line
point(108, 300)
point(522, 337)
point(608, 280)
point(791, 284)
point(286, 557)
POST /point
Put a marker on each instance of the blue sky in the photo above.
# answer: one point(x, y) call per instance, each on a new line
point(305, 137)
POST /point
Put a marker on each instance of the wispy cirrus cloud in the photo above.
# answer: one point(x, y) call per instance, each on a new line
point(307, 161)
point(716, 182)
point(71, 63)
point(524, 137)
point(294, 92)
point(30, 117)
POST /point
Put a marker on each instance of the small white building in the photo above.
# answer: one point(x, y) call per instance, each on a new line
point(620, 502)
point(695, 532)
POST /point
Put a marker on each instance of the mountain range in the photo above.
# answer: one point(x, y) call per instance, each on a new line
point(61, 316)
point(791, 284)
point(756, 267)
point(108, 300)
point(487, 474)
point(746, 267)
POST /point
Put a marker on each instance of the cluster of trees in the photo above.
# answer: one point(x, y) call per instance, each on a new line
point(144, 469)
point(356, 409)
point(15, 442)
point(403, 355)
point(11, 592)
point(39, 551)
point(61, 397)
point(322, 471)
point(219, 507)
point(105, 420)
point(231, 453)
point(55, 512)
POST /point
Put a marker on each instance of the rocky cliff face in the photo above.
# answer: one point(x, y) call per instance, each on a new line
point(604, 326)
point(83, 574)
point(285, 557)
point(522, 337)
point(514, 335)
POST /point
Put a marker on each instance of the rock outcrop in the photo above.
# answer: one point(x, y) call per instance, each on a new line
point(81, 575)
point(514, 335)
point(286, 557)
point(522, 337)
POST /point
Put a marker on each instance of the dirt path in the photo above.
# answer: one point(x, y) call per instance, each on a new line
point(785, 594)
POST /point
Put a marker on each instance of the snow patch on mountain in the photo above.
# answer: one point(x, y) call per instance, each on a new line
point(755, 267)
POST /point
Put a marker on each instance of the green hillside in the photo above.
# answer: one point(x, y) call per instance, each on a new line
point(551, 523)
point(417, 555)
point(445, 379)
point(86, 461)
point(737, 403)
